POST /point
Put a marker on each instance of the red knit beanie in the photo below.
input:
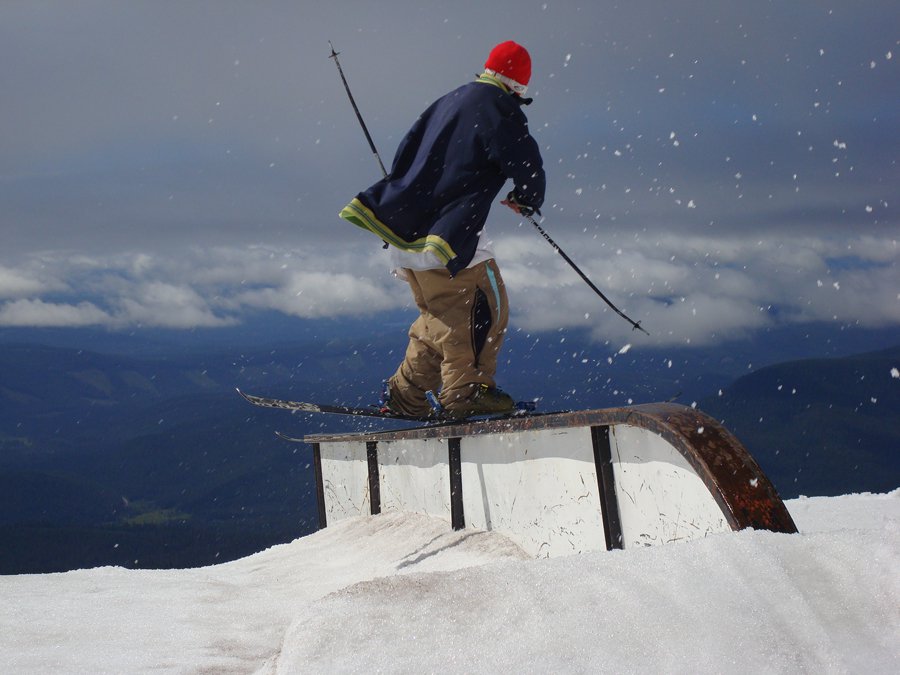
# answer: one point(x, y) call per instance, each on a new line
point(512, 61)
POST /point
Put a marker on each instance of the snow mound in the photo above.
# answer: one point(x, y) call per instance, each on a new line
point(224, 618)
point(405, 593)
point(780, 603)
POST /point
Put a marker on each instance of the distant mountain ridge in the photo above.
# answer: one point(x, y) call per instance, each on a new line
point(820, 426)
point(148, 458)
point(148, 462)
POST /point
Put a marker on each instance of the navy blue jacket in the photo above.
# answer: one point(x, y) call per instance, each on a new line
point(449, 169)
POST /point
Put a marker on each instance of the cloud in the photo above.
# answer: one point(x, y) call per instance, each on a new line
point(686, 290)
point(211, 288)
point(18, 283)
point(320, 294)
point(160, 303)
point(694, 290)
point(37, 313)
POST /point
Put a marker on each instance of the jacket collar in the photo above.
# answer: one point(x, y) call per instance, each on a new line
point(488, 78)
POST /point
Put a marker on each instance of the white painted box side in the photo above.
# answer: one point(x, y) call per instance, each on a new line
point(415, 477)
point(539, 488)
point(345, 477)
point(661, 498)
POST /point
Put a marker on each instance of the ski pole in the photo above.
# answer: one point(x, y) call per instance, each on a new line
point(334, 55)
point(636, 325)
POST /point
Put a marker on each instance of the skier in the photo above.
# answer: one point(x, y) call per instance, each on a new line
point(431, 209)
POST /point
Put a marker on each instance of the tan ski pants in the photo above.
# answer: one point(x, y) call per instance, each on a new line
point(453, 345)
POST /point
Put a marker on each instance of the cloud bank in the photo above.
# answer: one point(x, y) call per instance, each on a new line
point(686, 290)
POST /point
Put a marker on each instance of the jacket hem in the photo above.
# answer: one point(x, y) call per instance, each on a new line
point(360, 215)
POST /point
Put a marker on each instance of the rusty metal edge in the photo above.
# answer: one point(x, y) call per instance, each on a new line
point(743, 491)
point(747, 497)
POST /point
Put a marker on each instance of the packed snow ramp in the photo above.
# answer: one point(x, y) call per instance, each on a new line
point(558, 483)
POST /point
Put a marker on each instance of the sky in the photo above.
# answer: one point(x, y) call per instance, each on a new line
point(405, 593)
point(716, 167)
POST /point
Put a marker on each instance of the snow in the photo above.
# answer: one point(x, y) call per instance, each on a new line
point(404, 593)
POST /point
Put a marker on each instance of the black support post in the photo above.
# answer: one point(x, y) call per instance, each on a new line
point(374, 478)
point(606, 481)
point(457, 517)
point(320, 485)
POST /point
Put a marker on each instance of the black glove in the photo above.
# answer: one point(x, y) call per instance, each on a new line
point(519, 207)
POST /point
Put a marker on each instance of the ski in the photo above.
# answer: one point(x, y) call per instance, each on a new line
point(432, 422)
point(523, 408)
point(301, 406)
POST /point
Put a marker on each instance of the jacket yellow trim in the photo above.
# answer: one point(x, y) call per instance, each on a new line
point(360, 215)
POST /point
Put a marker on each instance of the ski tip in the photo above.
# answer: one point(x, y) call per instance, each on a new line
point(247, 397)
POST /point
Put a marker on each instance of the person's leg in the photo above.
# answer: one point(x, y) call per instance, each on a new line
point(466, 320)
point(420, 370)
point(490, 318)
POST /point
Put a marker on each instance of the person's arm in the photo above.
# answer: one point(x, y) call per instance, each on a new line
point(517, 154)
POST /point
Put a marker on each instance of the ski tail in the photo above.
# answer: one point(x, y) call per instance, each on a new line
point(265, 402)
point(302, 406)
